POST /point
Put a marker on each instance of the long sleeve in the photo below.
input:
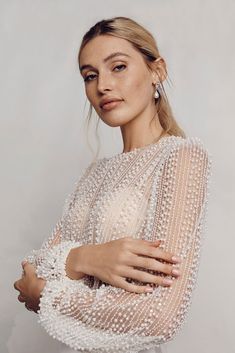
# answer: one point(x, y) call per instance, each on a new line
point(112, 320)
point(35, 256)
point(49, 259)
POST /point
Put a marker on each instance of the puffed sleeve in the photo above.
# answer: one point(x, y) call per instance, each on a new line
point(109, 319)
point(49, 259)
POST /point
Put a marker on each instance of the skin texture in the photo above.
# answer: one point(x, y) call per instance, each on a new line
point(114, 261)
point(127, 78)
point(134, 83)
point(30, 287)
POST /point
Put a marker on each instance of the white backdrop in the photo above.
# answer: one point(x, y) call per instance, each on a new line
point(43, 142)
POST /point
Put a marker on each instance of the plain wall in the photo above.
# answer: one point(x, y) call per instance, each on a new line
point(43, 142)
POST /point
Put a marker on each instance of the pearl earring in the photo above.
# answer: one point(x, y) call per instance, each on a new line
point(156, 94)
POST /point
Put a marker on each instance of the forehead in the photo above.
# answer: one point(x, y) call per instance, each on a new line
point(102, 46)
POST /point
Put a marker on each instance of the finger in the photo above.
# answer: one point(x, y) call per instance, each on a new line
point(166, 255)
point(134, 288)
point(35, 310)
point(143, 247)
point(146, 277)
point(21, 298)
point(157, 242)
point(28, 307)
point(29, 269)
point(23, 263)
point(157, 253)
point(148, 242)
point(155, 265)
point(17, 285)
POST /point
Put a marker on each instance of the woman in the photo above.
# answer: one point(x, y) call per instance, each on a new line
point(101, 282)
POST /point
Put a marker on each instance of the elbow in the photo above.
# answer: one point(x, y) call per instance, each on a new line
point(166, 328)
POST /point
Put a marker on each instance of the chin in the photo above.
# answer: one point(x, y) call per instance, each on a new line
point(113, 123)
point(117, 117)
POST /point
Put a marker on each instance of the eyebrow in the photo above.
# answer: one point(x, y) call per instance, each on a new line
point(111, 56)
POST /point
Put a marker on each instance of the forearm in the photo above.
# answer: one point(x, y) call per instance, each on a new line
point(78, 262)
point(35, 256)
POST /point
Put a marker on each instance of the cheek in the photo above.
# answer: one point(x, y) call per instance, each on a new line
point(137, 97)
point(137, 88)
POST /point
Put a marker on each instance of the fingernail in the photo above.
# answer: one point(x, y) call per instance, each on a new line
point(168, 281)
point(148, 289)
point(175, 272)
point(23, 262)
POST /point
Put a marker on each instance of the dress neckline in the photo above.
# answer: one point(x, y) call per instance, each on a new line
point(138, 149)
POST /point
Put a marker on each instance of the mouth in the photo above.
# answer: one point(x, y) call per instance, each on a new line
point(111, 105)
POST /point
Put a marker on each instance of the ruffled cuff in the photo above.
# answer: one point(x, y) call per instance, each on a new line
point(32, 257)
point(52, 266)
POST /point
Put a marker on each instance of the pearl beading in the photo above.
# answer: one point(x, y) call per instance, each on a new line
point(52, 265)
point(158, 192)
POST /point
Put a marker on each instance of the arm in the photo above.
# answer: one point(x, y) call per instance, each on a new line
point(109, 319)
point(52, 245)
point(35, 257)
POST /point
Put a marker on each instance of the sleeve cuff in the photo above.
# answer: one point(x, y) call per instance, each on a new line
point(32, 257)
point(52, 267)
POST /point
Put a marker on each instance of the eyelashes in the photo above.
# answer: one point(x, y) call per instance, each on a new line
point(87, 78)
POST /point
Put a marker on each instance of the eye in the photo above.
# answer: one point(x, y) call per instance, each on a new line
point(122, 65)
point(87, 77)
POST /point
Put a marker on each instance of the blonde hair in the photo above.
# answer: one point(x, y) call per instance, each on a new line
point(144, 42)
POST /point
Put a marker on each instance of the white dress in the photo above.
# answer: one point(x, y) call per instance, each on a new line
point(159, 191)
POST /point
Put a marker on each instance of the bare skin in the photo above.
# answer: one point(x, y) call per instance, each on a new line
point(128, 79)
point(125, 78)
point(111, 262)
point(30, 287)
point(114, 261)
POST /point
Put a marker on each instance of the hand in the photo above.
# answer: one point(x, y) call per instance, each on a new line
point(73, 263)
point(30, 287)
point(114, 261)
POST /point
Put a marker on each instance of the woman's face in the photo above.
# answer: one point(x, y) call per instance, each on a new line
point(123, 77)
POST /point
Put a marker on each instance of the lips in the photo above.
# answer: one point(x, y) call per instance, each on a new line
point(111, 105)
point(107, 101)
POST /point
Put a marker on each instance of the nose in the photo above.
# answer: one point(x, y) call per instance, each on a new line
point(104, 82)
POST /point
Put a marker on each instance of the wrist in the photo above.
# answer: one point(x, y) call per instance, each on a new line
point(74, 265)
point(86, 253)
point(40, 284)
point(53, 264)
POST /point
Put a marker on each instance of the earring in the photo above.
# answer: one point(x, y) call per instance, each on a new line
point(156, 94)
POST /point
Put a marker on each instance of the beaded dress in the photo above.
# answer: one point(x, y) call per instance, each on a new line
point(159, 191)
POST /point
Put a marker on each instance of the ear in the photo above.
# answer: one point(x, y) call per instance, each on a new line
point(155, 77)
point(159, 70)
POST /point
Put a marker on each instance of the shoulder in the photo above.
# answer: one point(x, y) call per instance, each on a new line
point(178, 142)
point(185, 155)
point(189, 147)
